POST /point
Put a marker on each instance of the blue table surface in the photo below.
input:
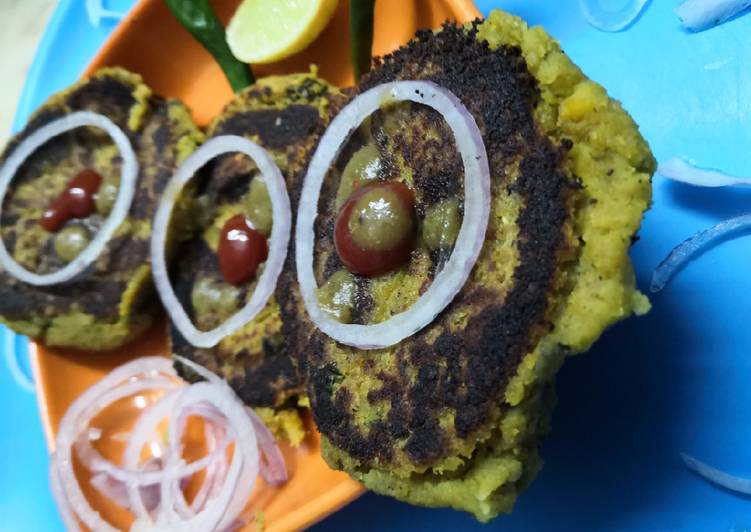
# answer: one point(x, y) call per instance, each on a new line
point(677, 379)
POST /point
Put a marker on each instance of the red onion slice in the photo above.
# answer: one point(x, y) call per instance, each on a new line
point(605, 16)
point(124, 198)
point(452, 277)
point(688, 250)
point(698, 15)
point(679, 170)
point(722, 479)
point(278, 242)
point(153, 490)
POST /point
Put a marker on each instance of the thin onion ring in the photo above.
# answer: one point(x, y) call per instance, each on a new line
point(699, 15)
point(611, 20)
point(722, 479)
point(228, 484)
point(683, 172)
point(278, 242)
point(449, 281)
point(688, 250)
point(119, 213)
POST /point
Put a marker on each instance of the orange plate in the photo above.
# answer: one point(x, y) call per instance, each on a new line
point(149, 41)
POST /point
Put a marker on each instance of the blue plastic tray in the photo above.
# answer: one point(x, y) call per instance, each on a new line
point(677, 379)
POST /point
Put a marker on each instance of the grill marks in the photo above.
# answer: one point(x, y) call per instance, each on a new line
point(461, 375)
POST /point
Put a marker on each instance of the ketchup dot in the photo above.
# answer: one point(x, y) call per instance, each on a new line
point(241, 250)
point(76, 201)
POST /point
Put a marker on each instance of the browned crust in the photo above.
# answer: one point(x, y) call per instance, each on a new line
point(465, 373)
point(95, 292)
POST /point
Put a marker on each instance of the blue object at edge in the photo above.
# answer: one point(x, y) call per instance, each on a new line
point(674, 380)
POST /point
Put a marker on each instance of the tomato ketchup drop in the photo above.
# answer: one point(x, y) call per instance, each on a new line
point(241, 250)
point(76, 201)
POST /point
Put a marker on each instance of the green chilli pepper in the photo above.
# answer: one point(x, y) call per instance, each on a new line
point(199, 19)
point(361, 35)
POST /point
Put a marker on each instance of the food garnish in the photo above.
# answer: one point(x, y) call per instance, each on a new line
point(116, 217)
point(699, 15)
point(198, 17)
point(375, 230)
point(612, 18)
point(679, 170)
point(361, 35)
point(263, 31)
point(152, 488)
point(241, 250)
point(278, 241)
point(689, 249)
point(76, 201)
point(722, 479)
point(452, 277)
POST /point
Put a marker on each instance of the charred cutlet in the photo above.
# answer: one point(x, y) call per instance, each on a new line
point(285, 115)
point(112, 301)
point(453, 415)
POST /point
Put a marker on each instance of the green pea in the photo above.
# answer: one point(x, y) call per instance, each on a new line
point(71, 241)
point(337, 296)
point(380, 221)
point(441, 225)
point(362, 168)
point(258, 207)
point(105, 197)
point(214, 301)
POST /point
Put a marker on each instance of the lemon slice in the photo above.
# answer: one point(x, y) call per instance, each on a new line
point(262, 31)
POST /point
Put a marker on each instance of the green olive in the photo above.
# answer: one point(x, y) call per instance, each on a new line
point(71, 241)
point(337, 296)
point(258, 206)
point(441, 225)
point(380, 220)
point(362, 168)
point(105, 197)
point(214, 301)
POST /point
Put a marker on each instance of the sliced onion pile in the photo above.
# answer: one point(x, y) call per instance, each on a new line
point(737, 484)
point(698, 15)
point(278, 242)
point(452, 277)
point(612, 15)
point(125, 193)
point(679, 170)
point(152, 490)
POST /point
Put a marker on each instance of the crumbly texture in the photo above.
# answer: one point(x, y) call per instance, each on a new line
point(113, 301)
point(286, 115)
point(453, 415)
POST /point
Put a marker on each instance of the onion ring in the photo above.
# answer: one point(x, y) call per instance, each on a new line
point(449, 281)
point(278, 242)
point(611, 20)
point(698, 15)
point(689, 249)
point(119, 213)
point(679, 170)
point(153, 490)
point(722, 479)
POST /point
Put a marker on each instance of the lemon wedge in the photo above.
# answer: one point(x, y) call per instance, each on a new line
point(262, 31)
